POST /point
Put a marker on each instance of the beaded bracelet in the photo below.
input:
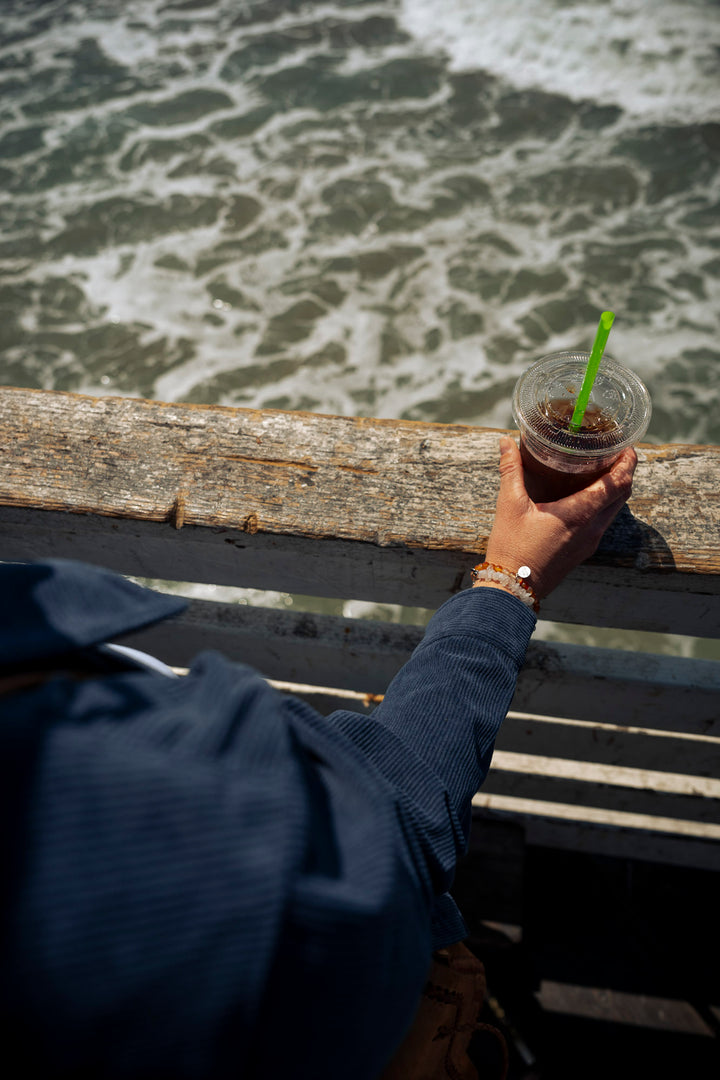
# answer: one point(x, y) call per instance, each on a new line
point(516, 583)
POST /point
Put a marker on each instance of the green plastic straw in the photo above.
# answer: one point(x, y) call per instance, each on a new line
point(606, 320)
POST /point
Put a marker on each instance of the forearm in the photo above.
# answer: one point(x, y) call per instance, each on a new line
point(448, 702)
point(433, 735)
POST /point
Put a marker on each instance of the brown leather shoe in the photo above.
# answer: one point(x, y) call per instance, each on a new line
point(436, 1046)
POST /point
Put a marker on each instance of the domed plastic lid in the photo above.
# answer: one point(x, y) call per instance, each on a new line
point(617, 416)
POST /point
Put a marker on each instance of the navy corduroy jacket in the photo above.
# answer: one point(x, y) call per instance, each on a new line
point(205, 878)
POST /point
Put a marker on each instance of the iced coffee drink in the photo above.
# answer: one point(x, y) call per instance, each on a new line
point(616, 417)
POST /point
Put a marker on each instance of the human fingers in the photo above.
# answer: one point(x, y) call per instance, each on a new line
point(574, 526)
point(513, 510)
point(613, 486)
point(623, 471)
point(617, 482)
point(606, 517)
point(512, 483)
point(585, 540)
point(590, 521)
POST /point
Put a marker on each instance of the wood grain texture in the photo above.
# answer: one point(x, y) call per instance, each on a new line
point(338, 506)
point(378, 481)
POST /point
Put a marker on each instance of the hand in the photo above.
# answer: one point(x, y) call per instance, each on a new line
point(553, 538)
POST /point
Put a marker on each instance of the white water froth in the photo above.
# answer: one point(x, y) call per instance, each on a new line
point(651, 58)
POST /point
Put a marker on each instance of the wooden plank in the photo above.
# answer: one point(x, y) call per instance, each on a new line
point(591, 752)
point(612, 745)
point(583, 683)
point(417, 499)
point(376, 481)
point(347, 569)
point(694, 815)
point(323, 650)
point(344, 569)
point(635, 600)
point(605, 1006)
point(667, 780)
point(635, 689)
point(598, 831)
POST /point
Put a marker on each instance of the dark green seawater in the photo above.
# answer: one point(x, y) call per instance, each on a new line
point(384, 209)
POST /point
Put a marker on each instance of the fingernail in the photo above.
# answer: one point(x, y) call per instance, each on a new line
point(505, 444)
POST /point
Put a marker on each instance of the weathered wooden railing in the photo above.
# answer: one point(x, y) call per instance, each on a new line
point(603, 750)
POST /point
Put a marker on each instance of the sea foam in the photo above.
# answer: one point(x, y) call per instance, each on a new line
point(653, 59)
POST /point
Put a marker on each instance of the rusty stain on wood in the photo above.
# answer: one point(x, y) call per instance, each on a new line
point(177, 513)
point(372, 699)
point(308, 465)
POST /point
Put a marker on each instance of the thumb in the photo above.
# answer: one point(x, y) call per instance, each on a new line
point(512, 483)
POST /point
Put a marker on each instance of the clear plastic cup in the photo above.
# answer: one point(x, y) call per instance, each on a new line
point(617, 416)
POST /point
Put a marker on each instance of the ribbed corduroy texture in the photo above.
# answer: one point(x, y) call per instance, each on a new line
point(217, 881)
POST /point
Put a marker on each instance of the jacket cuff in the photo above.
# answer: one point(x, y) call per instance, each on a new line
point(492, 615)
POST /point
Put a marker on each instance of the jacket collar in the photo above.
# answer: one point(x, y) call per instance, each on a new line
point(59, 605)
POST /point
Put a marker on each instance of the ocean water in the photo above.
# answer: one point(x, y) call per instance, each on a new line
point(384, 209)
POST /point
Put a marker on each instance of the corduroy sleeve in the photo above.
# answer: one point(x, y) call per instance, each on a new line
point(449, 701)
point(396, 789)
point(433, 735)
